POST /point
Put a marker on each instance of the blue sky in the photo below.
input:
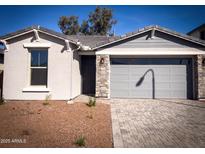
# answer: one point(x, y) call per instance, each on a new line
point(178, 18)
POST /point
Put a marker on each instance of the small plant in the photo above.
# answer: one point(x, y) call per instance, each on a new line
point(80, 141)
point(2, 101)
point(47, 99)
point(90, 116)
point(25, 132)
point(92, 102)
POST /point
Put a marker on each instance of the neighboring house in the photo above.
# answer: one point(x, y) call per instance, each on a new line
point(153, 62)
point(198, 32)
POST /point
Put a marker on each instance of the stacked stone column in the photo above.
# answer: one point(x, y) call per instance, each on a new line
point(200, 77)
point(102, 76)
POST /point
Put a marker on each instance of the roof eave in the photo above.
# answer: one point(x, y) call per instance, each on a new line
point(38, 28)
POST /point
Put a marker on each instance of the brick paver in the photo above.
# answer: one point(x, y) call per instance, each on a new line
point(158, 123)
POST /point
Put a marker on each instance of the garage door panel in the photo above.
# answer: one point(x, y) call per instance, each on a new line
point(162, 78)
point(141, 94)
point(120, 77)
point(178, 94)
point(120, 85)
point(161, 70)
point(170, 78)
point(162, 93)
point(162, 85)
point(136, 77)
point(178, 78)
point(146, 84)
point(177, 85)
point(141, 69)
point(121, 93)
point(117, 70)
point(148, 78)
point(178, 70)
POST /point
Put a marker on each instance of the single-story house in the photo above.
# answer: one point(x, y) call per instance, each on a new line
point(152, 62)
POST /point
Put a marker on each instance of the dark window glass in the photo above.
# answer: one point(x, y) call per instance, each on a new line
point(202, 35)
point(43, 58)
point(1, 58)
point(39, 58)
point(39, 61)
point(34, 58)
point(39, 76)
point(1, 46)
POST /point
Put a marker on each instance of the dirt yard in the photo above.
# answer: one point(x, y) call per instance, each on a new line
point(32, 124)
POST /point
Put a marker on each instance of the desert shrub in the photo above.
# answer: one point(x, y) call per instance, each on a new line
point(2, 101)
point(80, 141)
point(91, 102)
point(90, 114)
point(25, 132)
point(47, 99)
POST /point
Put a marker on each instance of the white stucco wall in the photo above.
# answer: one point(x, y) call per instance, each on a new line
point(76, 76)
point(17, 70)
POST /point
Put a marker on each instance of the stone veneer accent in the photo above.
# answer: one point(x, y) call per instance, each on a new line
point(103, 76)
point(200, 76)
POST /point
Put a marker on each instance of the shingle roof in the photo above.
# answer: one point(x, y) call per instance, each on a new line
point(149, 28)
point(17, 32)
point(87, 40)
point(195, 29)
point(43, 29)
point(97, 41)
point(93, 40)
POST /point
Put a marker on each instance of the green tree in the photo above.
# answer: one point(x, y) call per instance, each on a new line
point(69, 25)
point(85, 28)
point(101, 21)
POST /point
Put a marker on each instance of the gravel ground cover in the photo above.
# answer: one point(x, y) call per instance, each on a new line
point(57, 124)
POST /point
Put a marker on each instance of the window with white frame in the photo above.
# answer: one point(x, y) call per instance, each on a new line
point(39, 67)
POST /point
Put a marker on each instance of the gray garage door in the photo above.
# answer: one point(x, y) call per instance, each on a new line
point(151, 78)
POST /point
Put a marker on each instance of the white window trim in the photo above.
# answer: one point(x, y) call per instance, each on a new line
point(36, 89)
point(37, 45)
point(41, 67)
point(29, 87)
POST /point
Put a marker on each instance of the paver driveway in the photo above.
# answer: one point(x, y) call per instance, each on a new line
point(158, 123)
